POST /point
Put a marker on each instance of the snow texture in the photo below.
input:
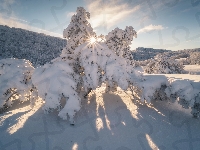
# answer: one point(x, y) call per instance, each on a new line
point(15, 79)
point(160, 87)
point(55, 82)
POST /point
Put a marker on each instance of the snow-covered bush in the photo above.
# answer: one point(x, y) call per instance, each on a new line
point(158, 87)
point(151, 88)
point(185, 94)
point(15, 82)
point(55, 82)
point(119, 41)
point(164, 65)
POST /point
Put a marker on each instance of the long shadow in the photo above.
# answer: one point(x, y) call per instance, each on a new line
point(157, 126)
point(116, 126)
point(107, 121)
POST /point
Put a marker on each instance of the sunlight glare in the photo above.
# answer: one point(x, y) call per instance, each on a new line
point(100, 103)
point(92, 40)
point(99, 124)
point(151, 143)
point(20, 121)
point(75, 146)
point(126, 97)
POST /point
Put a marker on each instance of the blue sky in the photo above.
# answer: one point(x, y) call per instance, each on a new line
point(166, 24)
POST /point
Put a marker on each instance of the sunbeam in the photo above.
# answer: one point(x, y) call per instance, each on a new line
point(20, 121)
point(127, 99)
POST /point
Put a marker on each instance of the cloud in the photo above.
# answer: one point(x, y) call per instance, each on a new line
point(150, 28)
point(5, 7)
point(109, 13)
point(8, 17)
point(5, 4)
point(19, 23)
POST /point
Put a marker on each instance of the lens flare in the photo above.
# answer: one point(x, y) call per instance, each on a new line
point(92, 40)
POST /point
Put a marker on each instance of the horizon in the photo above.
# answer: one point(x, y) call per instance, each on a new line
point(159, 25)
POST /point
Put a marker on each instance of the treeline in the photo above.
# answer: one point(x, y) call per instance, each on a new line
point(187, 56)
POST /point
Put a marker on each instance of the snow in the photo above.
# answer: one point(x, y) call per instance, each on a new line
point(150, 85)
point(55, 82)
point(15, 80)
point(193, 69)
point(114, 120)
point(105, 121)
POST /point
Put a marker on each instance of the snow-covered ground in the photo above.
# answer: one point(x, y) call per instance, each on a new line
point(106, 121)
point(193, 69)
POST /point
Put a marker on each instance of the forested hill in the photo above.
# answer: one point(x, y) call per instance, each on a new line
point(23, 44)
point(142, 53)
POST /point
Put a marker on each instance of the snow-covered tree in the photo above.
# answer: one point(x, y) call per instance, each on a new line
point(16, 84)
point(119, 41)
point(164, 65)
point(85, 63)
point(194, 58)
point(78, 32)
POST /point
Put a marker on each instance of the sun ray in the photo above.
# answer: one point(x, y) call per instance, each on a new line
point(92, 40)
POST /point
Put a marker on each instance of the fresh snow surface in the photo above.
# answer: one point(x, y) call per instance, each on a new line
point(55, 82)
point(107, 121)
point(193, 69)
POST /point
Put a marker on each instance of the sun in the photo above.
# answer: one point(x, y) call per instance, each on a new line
point(92, 40)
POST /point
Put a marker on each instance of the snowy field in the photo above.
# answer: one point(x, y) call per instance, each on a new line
point(193, 69)
point(113, 121)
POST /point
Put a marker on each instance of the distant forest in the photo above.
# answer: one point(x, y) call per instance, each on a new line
point(23, 44)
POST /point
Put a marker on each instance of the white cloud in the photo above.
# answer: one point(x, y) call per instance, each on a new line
point(8, 17)
point(109, 13)
point(18, 23)
point(150, 28)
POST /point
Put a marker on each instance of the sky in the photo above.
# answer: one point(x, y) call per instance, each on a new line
point(165, 24)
